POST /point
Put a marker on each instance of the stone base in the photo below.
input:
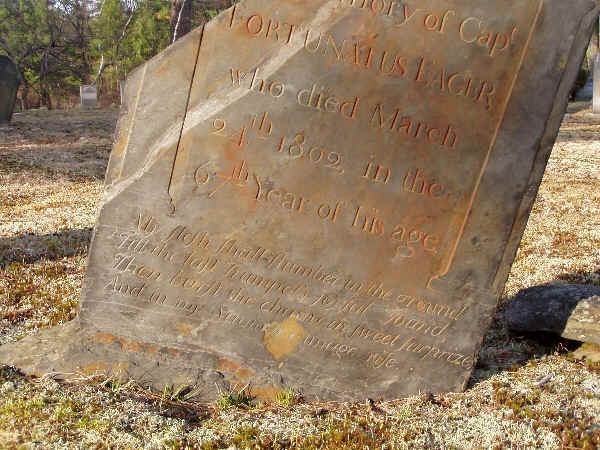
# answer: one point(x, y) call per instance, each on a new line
point(71, 351)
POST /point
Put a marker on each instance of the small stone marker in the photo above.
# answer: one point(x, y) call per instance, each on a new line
point(9, 84)
point(324, 195)
point(122, 85)
point(89, 96)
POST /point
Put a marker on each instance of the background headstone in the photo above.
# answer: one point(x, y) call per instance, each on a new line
point(89, 96)
point(122, 85)
point(9, 84)
point(324, 195)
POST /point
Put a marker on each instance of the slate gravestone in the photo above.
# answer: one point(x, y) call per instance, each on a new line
point(89, 96)
point(9, 84)
point(324, 195)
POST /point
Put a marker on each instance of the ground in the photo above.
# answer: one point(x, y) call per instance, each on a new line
point(526, 392)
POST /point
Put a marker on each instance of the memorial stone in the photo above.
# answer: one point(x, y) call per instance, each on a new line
point(9, 84)
point(325, 195)
point(89, 96)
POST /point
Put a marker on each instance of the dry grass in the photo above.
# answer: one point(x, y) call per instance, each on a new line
point(562, 239)
point(526, 391)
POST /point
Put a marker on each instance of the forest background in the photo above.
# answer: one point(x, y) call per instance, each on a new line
point(59, 45)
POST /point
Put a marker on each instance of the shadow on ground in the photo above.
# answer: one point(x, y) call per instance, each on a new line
point(577, 136)
point(504, 350)
point(578, 106)
point(85, 161)
point(59, 127)
point(29, 248)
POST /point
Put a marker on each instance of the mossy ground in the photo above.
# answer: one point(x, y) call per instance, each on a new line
point(527, 391)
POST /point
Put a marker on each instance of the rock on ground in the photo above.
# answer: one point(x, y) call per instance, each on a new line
point(569, 310)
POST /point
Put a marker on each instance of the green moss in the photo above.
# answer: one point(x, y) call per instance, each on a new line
point(22, 411)
point(233, 398)
point(575, 432)
point(245, 437)
point(87, 423)
point(350, 434)
point(68, 410)
point(287, 398)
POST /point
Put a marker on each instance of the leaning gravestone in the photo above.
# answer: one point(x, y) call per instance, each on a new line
point(9, 84)
point(89, 96)
point(324, 195)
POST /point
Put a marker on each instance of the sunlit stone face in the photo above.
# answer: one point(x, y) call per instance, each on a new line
point(328, 195)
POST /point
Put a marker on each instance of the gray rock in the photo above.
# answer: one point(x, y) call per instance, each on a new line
point(569, 310)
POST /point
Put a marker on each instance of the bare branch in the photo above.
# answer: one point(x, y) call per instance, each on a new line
point(104, 65)
point(178, 21)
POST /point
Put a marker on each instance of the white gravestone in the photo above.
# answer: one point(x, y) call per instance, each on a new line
point(89, 96)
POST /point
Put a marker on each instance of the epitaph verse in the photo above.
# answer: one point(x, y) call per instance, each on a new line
point(329, 195)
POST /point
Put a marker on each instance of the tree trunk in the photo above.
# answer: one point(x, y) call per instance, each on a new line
point(46, 98)
point(594, 44)
point(24, 95)
point(181, 19)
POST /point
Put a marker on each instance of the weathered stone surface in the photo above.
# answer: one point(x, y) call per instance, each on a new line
point(324, 196)
point(569, 310)
point(9, 84)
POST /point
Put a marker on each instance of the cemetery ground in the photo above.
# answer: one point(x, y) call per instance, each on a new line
point(527, 391)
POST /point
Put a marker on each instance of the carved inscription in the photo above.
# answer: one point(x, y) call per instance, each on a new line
point(315, 154)
point(421, 71)
point(409, 127)
point(323, 178)
point(214, 279)
point(471, 30)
